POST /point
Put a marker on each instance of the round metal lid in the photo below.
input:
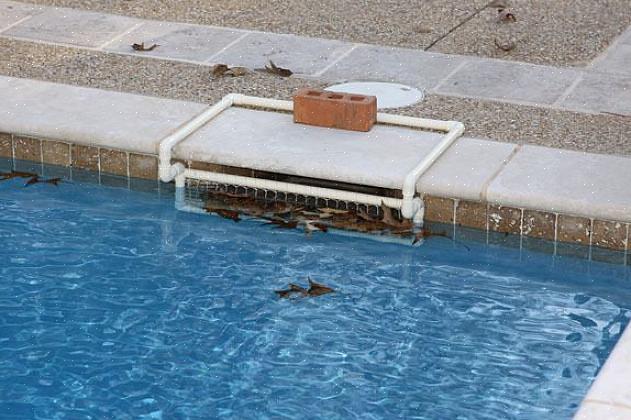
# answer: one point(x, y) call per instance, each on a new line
point(389, 95)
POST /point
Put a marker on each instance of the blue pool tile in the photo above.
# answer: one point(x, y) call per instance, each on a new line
point(608, 256)
point(28, 166)
point(144, 185)
point(84, 176)
point(114, 181)
point(504, 239)
point(6, 164)
point(572, 250)
point(541, 246)
point(167, 189)
point(56, 171)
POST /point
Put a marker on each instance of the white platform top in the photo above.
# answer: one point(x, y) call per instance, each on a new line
point(271, 141)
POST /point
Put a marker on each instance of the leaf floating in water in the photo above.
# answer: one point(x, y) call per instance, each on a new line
point(283, 224)
point(291, 291)
point(16, 174)
point(311, 226)
point(141, 47)
point(315, 289)
point(225, 213)
point(390, 220)
point(32, 181)
point(34, 178)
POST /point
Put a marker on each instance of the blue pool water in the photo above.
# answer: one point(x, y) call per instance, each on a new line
point(114, 305)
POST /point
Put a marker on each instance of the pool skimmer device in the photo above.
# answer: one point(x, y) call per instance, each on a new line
point(410, 205)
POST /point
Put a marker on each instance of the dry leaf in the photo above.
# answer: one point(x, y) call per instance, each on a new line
point(505, 16)
point(279, 71)
point(141, 47)
point(237, 71)
point(219, 70)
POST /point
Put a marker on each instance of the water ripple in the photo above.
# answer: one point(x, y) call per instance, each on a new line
point(113, 305)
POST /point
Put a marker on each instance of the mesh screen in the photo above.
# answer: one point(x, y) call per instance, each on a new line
point(198, 192)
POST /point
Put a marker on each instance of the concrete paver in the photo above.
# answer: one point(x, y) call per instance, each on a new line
point(11, 12)
point(616, 60)
point(299, 54)
point(415, 68)
point(509, 81)
point(176, 40)
point(74, 27)
point(607, 93)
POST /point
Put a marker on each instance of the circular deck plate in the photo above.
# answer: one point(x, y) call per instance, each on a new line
point(389, 95)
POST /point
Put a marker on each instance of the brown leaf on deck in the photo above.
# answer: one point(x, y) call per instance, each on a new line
point(279, 71)
point(141, 47)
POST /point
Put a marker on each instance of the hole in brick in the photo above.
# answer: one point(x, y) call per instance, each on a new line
point(334, 96)
point(313, 93)
point(357, 98)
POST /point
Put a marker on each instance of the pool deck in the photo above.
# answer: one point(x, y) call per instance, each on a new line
point(598, 88)
point(566, 32)
point(497, 179)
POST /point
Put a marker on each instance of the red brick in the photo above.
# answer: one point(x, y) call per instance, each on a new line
point(335, 109)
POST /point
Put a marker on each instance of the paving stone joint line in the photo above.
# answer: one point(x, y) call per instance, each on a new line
point(521, 69)
point(24, 19)
point(210, 59)
point(121, 35)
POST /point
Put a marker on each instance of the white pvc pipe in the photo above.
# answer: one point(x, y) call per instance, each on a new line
point(415, 122)
point(254, 101)
point(454, 130)
point(167, 171)
point(409, 206)
point(409, 184)
point(292, 188)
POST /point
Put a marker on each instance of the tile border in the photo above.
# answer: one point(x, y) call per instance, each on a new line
point(489, 218)
point(532, 224)
point(90, 162)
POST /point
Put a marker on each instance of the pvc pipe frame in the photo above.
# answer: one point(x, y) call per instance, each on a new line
point(411, 208)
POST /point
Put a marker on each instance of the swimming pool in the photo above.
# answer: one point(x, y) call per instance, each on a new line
point(115, 305)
